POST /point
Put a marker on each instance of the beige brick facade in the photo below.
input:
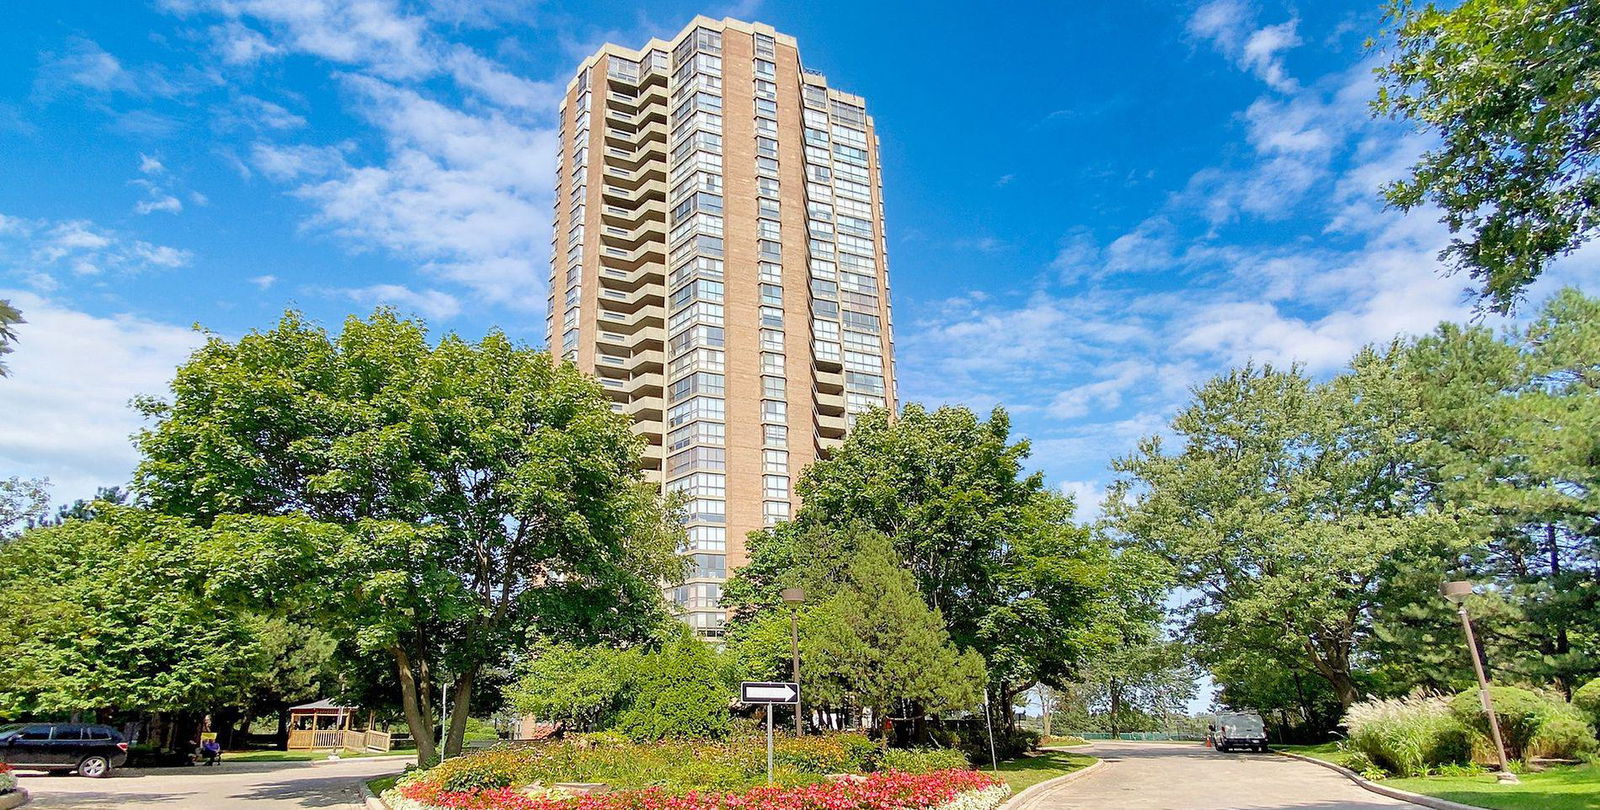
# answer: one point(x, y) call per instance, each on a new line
point(718, 262)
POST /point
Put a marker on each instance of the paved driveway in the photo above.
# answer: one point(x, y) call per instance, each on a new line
point(1178, 776)
point(246, 785)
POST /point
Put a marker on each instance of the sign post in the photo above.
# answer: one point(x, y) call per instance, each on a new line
point(770, 693)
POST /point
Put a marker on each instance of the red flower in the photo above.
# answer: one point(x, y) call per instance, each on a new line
point(891, 790)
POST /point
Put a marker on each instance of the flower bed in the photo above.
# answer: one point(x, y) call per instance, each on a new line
point(887, 790)
point(8, 778)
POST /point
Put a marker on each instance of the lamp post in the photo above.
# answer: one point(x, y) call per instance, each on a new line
point(795, 596)
point(1457, 592)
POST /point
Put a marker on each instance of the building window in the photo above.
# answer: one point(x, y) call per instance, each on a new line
point(700, 485)
point(771, 363)
point(776, 436)
point(705, 538)
point(697, 458)
point(772, 316)
point(708, 566)
point(770, 272)
point(773, 387)
point(775, 486)
point(710, 433)
point(705, 510)
point(774, 411)
point(775, 462)
point(774, 512)
point(771, 340)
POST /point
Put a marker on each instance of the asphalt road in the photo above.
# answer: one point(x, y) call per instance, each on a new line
point(245, 785)
point(1189, 776)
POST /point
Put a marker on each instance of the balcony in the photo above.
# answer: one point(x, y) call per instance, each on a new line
point(830, 427)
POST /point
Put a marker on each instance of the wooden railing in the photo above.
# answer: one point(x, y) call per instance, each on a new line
point(336, 739)
point(376, 741)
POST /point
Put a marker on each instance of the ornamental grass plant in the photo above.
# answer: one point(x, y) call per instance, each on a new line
point(1407, 736)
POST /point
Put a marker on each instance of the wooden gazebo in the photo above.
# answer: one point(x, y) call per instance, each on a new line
point(325, 725)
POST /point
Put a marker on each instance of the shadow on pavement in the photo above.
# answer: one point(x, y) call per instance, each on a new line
point(102, 801)
point(322, 791)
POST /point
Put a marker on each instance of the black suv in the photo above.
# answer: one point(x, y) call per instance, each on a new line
point(90, 750)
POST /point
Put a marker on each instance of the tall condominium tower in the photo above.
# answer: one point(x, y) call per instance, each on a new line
point(718, 262)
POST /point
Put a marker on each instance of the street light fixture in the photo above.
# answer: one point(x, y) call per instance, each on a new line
point(1457, 592)
point(794, 597)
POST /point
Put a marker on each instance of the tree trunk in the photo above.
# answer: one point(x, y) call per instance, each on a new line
point(282, 736)
point(460, 710)
point(418, 719)
point(1116, 710)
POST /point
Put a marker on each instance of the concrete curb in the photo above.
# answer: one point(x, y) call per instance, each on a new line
point(1029, 795)
point(15, 798)
point(1384, 790)
point(369, 798)
point(384, 758)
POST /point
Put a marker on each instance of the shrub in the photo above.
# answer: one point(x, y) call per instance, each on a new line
point(679, 694)
point(1519, 711)
point(8, 780)
point(489, 769)
point(1587, 699)
point(923, 760)
point(1407, 736)
point(1058, 739)
point(1007, 745)
point(1565, 734)
point(828, 753)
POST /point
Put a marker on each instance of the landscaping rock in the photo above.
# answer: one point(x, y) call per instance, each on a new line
point(583, 788)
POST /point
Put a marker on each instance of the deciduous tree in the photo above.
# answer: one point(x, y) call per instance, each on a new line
point(1511, 88)
point(483, 493)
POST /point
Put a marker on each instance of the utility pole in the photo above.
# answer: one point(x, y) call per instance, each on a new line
point(444, 714)
point(795, 596)
point(1458, 592)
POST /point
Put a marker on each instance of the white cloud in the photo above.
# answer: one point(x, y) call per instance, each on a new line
point(158, 202)
point(1105, 393)
point(38, 251)
point(1087, 497)
point(1230, 27)
point(465, 193)
point(461, 187)
point(86, 67)
point(66, 399)
point(264, 282)
point(149, 165)
point(432, 305)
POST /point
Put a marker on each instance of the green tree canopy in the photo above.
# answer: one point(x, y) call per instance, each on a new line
point(113, 615)
point(679, 691)
point(875, 644)
point(9, 318)
point(1508, 440)
point(988, 546)
point(580, 686)
point(477, 494)
point(1512, 90)
point(1289, 510)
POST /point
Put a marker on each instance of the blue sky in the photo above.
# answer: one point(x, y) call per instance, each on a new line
point(1091, 206)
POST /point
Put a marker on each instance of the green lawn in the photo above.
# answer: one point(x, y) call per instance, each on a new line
point(1029, 771)
point(1561, 788)
point(290, 756)
point(1327, 752)
point(382, 783)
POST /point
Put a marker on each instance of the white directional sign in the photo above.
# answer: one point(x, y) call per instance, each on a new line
point(769, 692)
